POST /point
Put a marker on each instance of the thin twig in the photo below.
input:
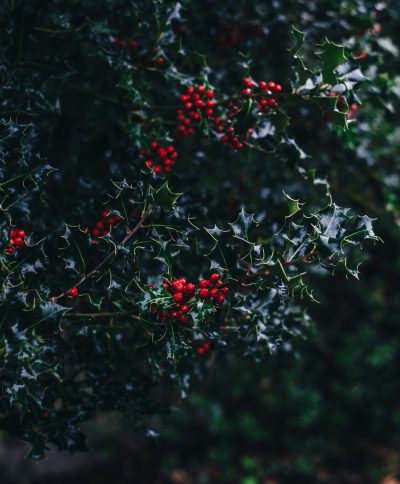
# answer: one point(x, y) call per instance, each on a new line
point(96, 269)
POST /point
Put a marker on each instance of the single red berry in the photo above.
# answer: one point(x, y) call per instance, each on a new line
point(158, 169)
point(210, 94)
point(190, 90)
point(177, 297)
point(100, 225)
point(201, 89)
point(188, 105)
point(21, 233)
point(159, 60)
point(12, 241)
point(200, 351)
point(182, 280)
point(224, 290)
point(189, 288)
point(206, 346)
point(162, 153)
point(170, 149)
point(246, 92)
point(183, 318)
point(214, 292)
point(95, 232)
point(178, 286)
point(133, 44)
point(271, 85)
point(18, 241)
point(142, 152)
point(73, 291)
point(214, 277)
point(204, 283)
point(218, 284)
point(153, 144)
point(278, 88)
point(149, 164)
point(220, 299)
point(203, 293)
point(209, 113)
point(185, 308)
point(263, 85)
point(13, 233)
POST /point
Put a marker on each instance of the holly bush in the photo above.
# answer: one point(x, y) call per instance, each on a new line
point(177, 179)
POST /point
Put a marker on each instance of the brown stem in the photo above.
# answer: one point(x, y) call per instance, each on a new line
point(96, 269)
point(116, 314)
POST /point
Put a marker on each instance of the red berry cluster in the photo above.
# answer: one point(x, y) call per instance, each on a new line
point(132, 44)
point(203, 349)
point(264, 99)
point(104, 225)
point(182, 293)
point(159, 158)
point(211, 289)
point(73, 291)
point(17, 239)
point(197, 103)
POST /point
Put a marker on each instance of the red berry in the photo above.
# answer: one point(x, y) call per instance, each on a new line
point(224, 290)
point(190, 288)
point(203, 293)
point(18, 241)
point(220, 299)
point(190, 90)
point(153, 144)
point(271, 85)
point(21, 233)
point(73, 292)
point(263, 85)
point(201, 88)
point(184, 98)
point(248, 82)
point(214, 277)
point(188, 105)
point(185, 308)
point(149, 164)
point(214, 292)
point(206, 346)
point(177, 297)
point(142, 152)
point(183, 318)
point(157, 169)
point(159, 60)
point(200, 351)
point(204, 283)
point(278, 88)
point(178, 286)
point(133, 44)
point(95, 232)
point(246, 92)
point(9, 250)
point(162, 153)
point(13, 233)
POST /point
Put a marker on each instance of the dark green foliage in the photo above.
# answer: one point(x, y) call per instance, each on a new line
point(84, 92)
